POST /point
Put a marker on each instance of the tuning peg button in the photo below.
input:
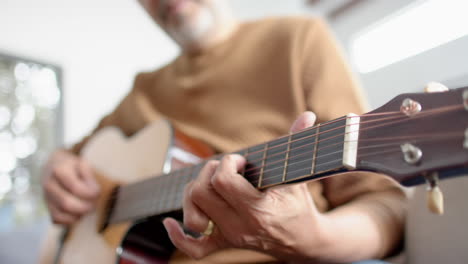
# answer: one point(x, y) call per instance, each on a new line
point(411, 153)
point(465, 99)
point(435, 87)
point(465, 143)
point(410, 107)
point(435, 197)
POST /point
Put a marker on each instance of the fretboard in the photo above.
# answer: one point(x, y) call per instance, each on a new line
point(308, 154)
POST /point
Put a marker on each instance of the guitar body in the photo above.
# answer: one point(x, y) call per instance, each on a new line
point(118, 160)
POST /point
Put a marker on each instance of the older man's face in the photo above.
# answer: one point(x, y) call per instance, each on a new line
point(185, 21)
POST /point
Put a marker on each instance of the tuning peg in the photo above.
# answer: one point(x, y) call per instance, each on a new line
point(435, 87)
point(435, 197)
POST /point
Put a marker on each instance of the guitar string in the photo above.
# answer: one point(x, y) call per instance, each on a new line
point(322, 147)
point(360, 148)
point(404, 117)
point(434, 136)
point(399, 115)
point(366, 154)
point(341, 142)
point(178, 196)
point(299, 140)
point(351, 117)
point(127, 192)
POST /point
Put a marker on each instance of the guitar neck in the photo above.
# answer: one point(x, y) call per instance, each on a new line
point(413, 135)
point(308, 154)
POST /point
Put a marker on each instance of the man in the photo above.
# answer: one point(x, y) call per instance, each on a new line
point(235, 85)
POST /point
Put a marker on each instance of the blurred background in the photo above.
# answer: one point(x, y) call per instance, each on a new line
point(60, 58)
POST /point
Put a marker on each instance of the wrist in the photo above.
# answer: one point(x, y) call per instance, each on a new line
point(323, 240)
point(315, 242)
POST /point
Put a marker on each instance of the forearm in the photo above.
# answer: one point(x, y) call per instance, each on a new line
point(363, 229)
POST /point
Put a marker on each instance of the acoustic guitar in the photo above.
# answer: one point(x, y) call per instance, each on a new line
point(413, 138)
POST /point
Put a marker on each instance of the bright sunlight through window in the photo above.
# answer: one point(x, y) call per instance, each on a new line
point(413, 30)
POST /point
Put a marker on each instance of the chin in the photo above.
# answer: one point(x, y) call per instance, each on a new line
point(193, 30)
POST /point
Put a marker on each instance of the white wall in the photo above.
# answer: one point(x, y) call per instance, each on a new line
point(447, 63)
point(100, 45)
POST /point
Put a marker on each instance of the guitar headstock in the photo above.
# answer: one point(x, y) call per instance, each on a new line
point(415, 135)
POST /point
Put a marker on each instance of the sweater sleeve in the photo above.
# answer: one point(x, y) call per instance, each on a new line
point(331, 91)
point(133, 113)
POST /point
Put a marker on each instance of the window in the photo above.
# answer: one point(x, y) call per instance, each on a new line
point(419, 27)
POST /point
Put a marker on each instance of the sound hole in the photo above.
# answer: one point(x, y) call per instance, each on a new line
point(147, 242)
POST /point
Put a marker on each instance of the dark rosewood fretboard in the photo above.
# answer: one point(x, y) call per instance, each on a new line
point(305, 155)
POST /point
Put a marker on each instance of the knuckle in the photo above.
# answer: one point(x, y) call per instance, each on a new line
point(74, 187)
point(66, 204)
point(197, 254)
point(220, 180)
point(196, 194)
point(228, 158)
point(212, 164)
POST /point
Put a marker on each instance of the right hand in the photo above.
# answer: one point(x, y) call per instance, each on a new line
point(70, 188)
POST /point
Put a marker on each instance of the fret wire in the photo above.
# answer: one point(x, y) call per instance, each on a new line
point(304, 131)
point(171, 187)
point(302, 146)
point(314, 159)
point(315, 149)
point(305, 153)
point(306, 174)
point(159, 186)
point(263, 165)
point(164, 191)
point(181, 185)
point(297, 178)
point(305, 138)
point(186, 181)
point(180, 182)
point(245, 156)
point(286, 158)
point(155, 186)
point(194, 171)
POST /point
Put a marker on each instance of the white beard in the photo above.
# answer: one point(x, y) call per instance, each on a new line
point(193, 32)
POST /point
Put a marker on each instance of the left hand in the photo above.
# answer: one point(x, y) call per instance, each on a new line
point(282, 221)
